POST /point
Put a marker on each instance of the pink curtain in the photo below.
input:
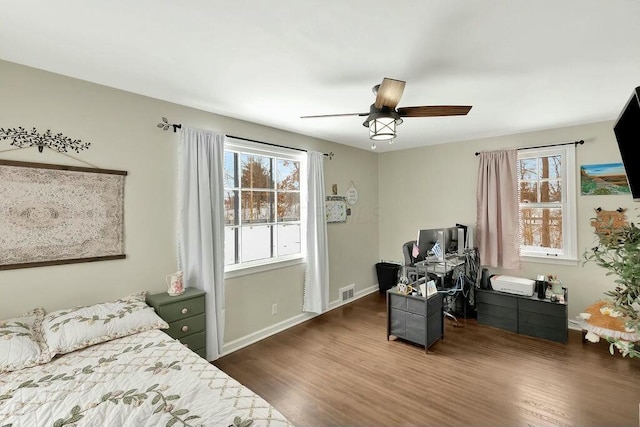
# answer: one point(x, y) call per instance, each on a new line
point(497, 199)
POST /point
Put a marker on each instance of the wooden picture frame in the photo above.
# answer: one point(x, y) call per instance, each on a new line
point(56, 214)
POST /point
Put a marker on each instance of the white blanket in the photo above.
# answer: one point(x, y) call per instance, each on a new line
point(145, 379)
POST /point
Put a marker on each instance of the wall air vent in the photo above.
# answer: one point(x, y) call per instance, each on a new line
point(347, 292)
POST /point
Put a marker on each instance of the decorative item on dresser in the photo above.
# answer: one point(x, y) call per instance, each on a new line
point(175, 284)
point(185, 315)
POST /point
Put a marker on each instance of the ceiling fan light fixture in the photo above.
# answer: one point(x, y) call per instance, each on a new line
point(382, 128)
point(382, 123)
point(384, 115)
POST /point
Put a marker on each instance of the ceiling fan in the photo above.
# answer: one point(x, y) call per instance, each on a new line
point(383, 116)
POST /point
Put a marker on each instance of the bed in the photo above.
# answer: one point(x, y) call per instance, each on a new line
point(55, 372)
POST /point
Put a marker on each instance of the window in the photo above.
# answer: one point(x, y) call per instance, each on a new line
point(547, 199)
point(263, 205)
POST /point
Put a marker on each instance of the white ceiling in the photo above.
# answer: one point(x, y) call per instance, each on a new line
point(523, 65)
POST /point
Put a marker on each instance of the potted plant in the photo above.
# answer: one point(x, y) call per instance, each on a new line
point(618, 251)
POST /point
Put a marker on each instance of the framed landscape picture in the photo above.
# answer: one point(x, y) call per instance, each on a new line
point(603, 179)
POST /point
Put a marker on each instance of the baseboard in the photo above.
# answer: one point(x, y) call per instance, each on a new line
point(254, 337)
point(242, 342)
point(572, 324)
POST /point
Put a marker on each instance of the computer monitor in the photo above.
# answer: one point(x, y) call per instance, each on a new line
point(426, 239)
point(447, 239)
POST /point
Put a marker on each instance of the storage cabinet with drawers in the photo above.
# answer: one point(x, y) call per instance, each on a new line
point(415, 318)
point(185, 316)
point(523, 314)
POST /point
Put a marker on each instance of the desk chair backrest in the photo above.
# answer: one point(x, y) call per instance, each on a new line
point(407, 250)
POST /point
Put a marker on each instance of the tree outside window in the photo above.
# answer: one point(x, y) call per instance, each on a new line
point(262, 207)
point(543, 180)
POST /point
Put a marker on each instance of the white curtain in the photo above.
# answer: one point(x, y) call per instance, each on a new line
point(201, 225)
point(497, 209)
point(316, 280)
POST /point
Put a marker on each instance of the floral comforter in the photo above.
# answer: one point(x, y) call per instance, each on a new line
point(145, 379)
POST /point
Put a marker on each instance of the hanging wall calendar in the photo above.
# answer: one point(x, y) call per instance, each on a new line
point(336, 208)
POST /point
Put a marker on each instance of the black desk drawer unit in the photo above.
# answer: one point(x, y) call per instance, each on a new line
point(497, 310)
point(523, 315)
point(414, 318)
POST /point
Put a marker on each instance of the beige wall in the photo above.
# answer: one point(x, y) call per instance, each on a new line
point(121, 129)
point(435, 186)
point(399, 193)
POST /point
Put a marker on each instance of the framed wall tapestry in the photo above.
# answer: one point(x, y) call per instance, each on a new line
point(55, 214)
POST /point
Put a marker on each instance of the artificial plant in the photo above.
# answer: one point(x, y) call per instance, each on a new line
point(618, 251)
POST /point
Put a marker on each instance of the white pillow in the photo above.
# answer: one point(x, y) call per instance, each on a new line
point(68, 330)
point(21, 343)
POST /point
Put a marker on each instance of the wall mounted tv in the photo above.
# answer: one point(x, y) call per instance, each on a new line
point(627, 130)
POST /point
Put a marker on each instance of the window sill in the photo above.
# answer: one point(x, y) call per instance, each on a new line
point(258, 268)
point(550, 260)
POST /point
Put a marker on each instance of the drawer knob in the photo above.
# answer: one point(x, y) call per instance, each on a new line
point(184, 311)
point(185, 328)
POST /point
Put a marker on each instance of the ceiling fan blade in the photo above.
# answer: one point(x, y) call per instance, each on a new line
point(334, 115)
point(434, 110)
point(389, 93)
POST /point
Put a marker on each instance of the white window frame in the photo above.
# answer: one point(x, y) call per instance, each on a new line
point(568, 204)
point(247, 147)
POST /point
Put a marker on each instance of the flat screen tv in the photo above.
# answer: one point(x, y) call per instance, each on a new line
point(627, 130)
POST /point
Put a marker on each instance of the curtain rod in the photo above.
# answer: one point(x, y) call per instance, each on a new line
point(544, 146)
point(164, 125)
point(329, 155)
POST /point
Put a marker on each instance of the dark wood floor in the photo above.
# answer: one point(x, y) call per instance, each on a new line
point(338, 369)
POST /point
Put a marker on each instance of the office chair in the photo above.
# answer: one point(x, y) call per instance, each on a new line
point(410, 271)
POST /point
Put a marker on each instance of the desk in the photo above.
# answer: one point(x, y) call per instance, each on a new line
point(437, 268)
point(415, 318)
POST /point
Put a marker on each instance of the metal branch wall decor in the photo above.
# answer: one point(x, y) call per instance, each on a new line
point(165, 125)
point(22, 138)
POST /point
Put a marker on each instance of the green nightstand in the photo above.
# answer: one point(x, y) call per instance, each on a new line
point(185, 316)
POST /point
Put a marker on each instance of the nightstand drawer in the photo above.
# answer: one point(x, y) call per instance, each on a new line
point(181, 309)
point(193, 341)
point(184, 327)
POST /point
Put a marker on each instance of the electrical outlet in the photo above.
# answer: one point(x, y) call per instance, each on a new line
point(274, 309)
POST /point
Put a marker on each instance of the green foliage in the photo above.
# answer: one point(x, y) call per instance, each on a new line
point(618, 251)
point(601, 191)
point(588, 186)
